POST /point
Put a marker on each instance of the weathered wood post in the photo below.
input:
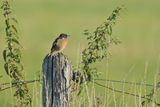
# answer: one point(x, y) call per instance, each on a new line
point(57, 75)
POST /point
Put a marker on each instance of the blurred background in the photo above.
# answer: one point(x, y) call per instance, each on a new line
point(136, 59)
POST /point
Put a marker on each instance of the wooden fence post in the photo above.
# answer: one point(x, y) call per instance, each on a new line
point(57, 75)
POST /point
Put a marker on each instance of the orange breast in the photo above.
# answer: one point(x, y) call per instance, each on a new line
point(62, 43)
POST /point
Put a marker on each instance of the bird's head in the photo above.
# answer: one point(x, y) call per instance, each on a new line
point(63, 36)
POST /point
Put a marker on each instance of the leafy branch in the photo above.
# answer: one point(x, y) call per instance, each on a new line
point(12, 57)
point(97, 50)
point(98, 43)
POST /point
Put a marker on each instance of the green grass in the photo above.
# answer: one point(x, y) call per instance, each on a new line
point(41, 21)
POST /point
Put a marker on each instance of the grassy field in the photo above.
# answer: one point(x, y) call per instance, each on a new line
point(136, 59)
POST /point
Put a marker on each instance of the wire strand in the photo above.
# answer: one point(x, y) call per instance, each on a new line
point(127, 93)
point(126, 82)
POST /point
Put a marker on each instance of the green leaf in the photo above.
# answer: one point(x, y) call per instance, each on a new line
point(4, 55)
point(6, 68)
point(14, 28)
point(15, 20)
point(16, 41)
point(109, 30)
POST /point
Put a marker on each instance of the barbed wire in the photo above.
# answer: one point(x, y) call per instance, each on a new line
point(127, 93)
point(127, 82)
point(14, 84)
point(11, 85)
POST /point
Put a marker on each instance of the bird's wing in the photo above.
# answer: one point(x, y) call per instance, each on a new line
point(54, 45)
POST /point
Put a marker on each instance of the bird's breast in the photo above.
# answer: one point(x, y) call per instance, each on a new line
point(62, 43)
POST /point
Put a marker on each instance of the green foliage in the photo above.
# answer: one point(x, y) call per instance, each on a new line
point(98, 43)
point(97, 50)
point(12, 57)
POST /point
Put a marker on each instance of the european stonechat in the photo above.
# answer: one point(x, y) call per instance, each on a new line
point(60, 43)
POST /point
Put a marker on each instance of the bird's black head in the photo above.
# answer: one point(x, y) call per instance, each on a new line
point(62, 35)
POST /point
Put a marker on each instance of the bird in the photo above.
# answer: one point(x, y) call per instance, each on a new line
point(59, 44)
